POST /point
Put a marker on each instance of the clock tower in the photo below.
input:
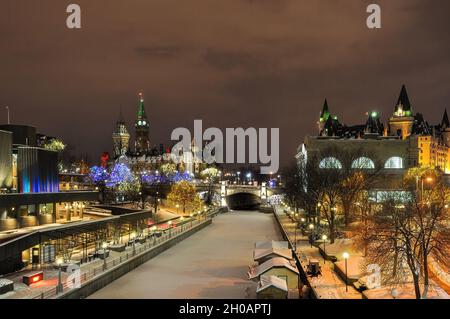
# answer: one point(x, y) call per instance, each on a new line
point(141, 126)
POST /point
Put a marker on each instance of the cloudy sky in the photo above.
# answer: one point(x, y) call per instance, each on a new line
point(232, 63)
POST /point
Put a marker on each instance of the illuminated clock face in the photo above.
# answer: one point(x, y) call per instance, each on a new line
point(139, 122)
point(144, 122)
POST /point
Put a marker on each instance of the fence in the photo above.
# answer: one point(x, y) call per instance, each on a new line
point(151, 242)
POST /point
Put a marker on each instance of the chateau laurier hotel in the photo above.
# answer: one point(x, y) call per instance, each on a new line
point(407, 141)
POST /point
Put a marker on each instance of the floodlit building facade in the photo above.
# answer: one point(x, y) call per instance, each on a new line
point(407, 141)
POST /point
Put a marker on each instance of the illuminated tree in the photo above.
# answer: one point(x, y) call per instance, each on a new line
point(210, 175)
point(120, 173)
point(184, 194)
point(98, 175)
point(55, 145)
point(168, 169)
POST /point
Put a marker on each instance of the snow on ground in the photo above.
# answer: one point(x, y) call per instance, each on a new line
point(212, 263)
point(405, 291)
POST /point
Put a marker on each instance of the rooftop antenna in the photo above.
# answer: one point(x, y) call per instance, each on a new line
point(7, 110)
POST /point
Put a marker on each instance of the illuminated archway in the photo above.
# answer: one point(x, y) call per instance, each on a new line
point(363, 163)
point(330, 163)
point(394, 162)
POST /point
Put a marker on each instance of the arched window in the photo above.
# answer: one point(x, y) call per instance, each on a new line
point(394, 163)
point(363, 163)
point(330, 162)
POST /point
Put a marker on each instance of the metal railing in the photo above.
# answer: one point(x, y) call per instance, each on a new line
point(150, 243)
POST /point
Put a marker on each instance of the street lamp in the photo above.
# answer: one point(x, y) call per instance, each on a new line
point(170, 228)
point(311, 229)
point(59, 288)
point(104, 245)
point(133, 236)
point(346, 257)
point(177, 207)
point(192, 215)
point(324, 238)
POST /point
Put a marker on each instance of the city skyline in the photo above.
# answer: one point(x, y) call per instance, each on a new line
point(276, 60)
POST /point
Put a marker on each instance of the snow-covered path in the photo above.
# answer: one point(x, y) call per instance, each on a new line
point(210, 264)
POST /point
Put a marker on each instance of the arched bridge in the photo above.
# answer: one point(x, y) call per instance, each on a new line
point(242, 196)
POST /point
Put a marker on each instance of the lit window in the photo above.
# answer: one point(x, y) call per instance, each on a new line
point(330, 162)
point(363, 163)
point(394, 163)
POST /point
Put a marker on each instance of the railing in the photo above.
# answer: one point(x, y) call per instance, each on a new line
point(150, 243)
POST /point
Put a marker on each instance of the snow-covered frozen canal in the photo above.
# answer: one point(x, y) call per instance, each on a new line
point(212, 263)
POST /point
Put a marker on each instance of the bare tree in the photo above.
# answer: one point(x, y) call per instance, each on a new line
point(430, 217)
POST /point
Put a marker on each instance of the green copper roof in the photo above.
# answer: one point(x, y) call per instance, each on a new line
point(325, 114)
point(141, 109)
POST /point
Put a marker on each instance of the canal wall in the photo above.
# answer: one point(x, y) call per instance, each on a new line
point(301, 269)
point(116, 272)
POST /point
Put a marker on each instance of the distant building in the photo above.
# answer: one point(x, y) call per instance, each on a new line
point(144, 157)
point(121, 138)
point(407, 141)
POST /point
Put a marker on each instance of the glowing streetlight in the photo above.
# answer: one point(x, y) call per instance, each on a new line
point(346, 256)
point(59, 288)
point(311, 238)
point(324, 238)
point(104, 245)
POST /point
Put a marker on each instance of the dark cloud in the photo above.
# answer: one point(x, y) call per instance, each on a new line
point(159, 51)
point(261, 63)
point(225, 60)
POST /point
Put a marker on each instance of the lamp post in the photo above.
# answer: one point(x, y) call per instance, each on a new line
point(318, 210)
point(170, 228)
point(59, 288)
point(303, 226)
point(324, 238)
point(192, 215)
point(104, 245)
point(346, 256)
point(133, 237)
point(177, 207)
point(295, 236)
point(311, 229)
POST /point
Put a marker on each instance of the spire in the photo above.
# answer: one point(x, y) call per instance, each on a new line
point(403, 106)
point(325, 114)
point(445, 122)
point(141, 110)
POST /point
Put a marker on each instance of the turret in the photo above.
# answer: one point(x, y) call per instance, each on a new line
point(401, 122)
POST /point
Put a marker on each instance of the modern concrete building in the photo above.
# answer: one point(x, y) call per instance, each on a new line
point(29, 183)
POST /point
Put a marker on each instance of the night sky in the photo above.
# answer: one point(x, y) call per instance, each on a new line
point(232, 63)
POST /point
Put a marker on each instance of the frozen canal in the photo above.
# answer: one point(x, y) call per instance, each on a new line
point(212, 263)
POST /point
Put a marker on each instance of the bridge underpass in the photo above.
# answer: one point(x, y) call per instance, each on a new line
point(243, 201)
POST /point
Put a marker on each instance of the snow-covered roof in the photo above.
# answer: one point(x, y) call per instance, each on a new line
point(277, 262)
point(271, 281)
point(261, 253)
point(271, 244)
